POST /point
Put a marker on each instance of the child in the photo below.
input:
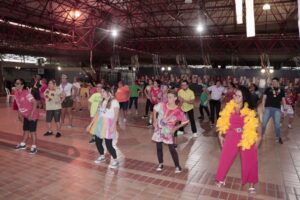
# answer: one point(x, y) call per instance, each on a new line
point(104, 126)
point(290, 103)
point(204, 103)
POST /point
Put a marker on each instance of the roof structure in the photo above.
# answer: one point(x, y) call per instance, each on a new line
point(150, 27)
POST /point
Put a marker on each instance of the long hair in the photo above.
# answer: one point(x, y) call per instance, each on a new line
point(108, 90)
point(246, 97)
point(22, 82)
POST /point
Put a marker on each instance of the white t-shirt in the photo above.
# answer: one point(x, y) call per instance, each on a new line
point(77, 86)
point(148, 88)
point(216, 92)
point(109, 113)
point(67, 89)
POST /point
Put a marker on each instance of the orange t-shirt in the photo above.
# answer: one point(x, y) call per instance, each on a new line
point(123, 94)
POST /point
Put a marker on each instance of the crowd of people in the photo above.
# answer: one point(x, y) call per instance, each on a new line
point(228, 104)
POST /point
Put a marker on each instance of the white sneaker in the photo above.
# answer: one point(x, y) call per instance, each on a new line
point(100, 160)
point(251, 190)
point(195, 135)
point(290, 126)
point(114, 164)
point(178, 170)
point(160, 167)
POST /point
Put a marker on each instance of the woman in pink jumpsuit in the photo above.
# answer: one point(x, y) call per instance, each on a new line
point(230, 148)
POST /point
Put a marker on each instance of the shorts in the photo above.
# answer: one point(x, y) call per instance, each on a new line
point(29, 125)
point(50, 114)
point(124, 105)
point(68, 102)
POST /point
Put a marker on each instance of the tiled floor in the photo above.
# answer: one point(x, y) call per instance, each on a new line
point(64, 169)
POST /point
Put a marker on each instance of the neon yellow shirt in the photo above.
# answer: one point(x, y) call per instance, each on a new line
point(95, 100)
point(187, 95)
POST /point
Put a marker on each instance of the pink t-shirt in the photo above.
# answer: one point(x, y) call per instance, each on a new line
point(43, 88)
point(155, 94)
point(24, 101)
point(167, 120)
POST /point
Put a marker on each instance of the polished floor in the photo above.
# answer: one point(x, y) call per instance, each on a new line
point(63, 168)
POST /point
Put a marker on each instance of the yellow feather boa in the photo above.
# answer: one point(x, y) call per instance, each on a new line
point(251, 122)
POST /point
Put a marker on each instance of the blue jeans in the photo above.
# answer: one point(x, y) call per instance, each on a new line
point(275, 113)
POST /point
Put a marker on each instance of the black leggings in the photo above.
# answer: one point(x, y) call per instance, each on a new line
point(109, 147)
point(215, 107)
point(133, 100)
point(173, 152)
point(148, 106)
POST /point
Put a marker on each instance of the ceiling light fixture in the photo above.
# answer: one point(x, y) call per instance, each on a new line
point(266, 6)
point(239, 11)
point(250, 20)
point(75, 14)
point(114, 33)
point(200, 28)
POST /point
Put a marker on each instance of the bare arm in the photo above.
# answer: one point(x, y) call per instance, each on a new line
point(146, 92)
point(283, 102)
point(259, 134)
point(190, 101)
point(34, 106)
point(263, 103)
point(182, 124)
point(115, 120)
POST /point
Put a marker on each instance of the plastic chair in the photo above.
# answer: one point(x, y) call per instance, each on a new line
point(8, 95)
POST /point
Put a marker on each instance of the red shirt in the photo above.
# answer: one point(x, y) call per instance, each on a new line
point(290, 100)
point(154, 94)
point(43, 88)
point(24, 101)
